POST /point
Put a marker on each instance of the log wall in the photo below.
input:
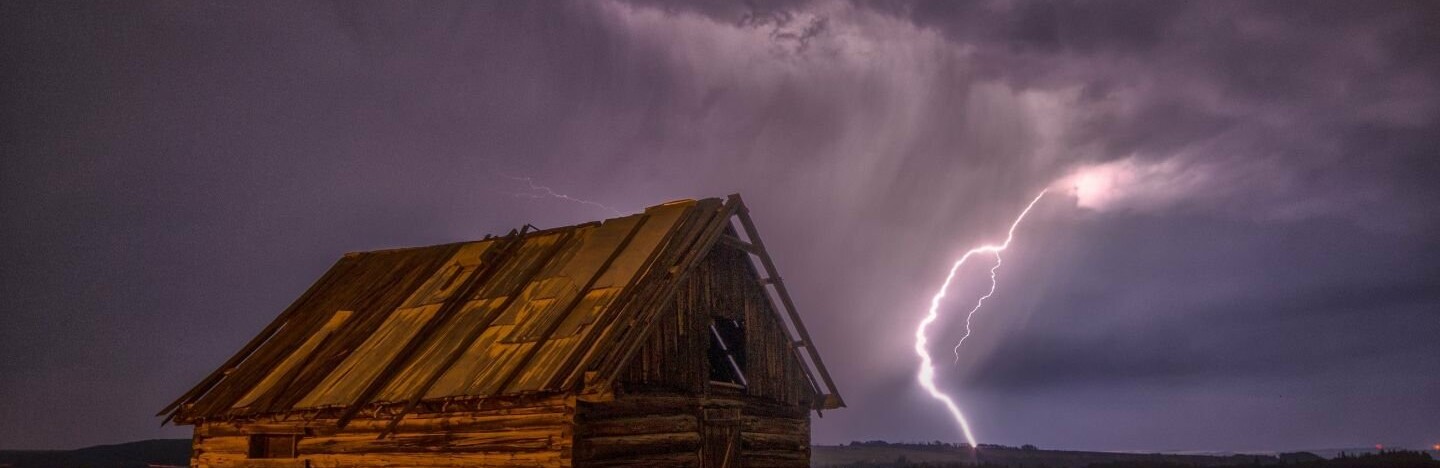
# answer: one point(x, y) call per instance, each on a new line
point(538, 434)
point(679, 430)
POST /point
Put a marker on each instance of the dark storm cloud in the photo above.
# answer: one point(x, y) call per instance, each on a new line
point(1311, 85)
point(174, 174)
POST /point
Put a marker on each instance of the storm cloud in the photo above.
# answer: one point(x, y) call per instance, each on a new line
point(1238, 253)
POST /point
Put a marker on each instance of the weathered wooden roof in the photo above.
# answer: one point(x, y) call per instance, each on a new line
point(522, 313)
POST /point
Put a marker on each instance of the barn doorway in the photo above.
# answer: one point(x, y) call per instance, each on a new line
point(720, 438)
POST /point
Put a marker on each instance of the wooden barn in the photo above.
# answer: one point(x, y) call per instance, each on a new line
point(646, 340)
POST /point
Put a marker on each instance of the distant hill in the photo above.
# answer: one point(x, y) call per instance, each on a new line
point(142, 454)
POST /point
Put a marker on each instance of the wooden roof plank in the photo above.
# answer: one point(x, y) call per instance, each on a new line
point(470, 338)
point(210, 380)
point(555, 322)
point(471, 313)
point(375, 270)
point(456, 379)
point(603, 354)
point(476, 279)
point(649, 246)
point(693, 253)
point(374, 306)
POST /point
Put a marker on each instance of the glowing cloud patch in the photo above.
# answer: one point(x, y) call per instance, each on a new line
point(1132, 184)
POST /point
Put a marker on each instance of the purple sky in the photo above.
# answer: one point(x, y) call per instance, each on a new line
point(1251, 261)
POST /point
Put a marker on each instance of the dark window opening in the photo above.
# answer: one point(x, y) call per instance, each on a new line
point(727, 351)
point(273, 445)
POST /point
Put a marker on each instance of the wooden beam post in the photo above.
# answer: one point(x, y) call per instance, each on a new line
point(774, 281)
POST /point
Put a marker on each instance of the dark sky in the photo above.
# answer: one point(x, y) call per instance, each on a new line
point(1251, 262)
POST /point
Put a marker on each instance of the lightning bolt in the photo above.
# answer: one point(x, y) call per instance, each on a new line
point(926, 375)
point(541, 191)
point(978, 303)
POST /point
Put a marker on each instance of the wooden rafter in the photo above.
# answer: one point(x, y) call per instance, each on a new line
point(830, 396)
